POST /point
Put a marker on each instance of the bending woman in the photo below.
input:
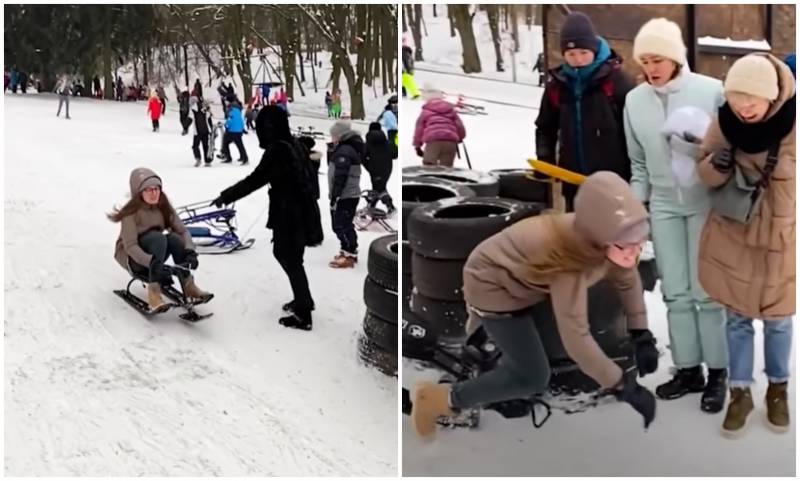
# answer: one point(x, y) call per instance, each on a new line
point(559, 255)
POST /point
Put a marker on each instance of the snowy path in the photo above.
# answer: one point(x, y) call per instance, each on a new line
point(93, 388)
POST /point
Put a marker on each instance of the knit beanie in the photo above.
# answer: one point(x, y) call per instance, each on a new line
point(429, 92)
point(754, 75)
point(339, 128)
point(578, 32)
point(662, 37)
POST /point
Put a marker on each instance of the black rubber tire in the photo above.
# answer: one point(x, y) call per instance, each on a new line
point(515, 184)
point(419, 191)
point(419, 338)
point(606, 323)
point(381, 332)
point(406, 258)
point(372, 354)
point(382, 261)
point(438, 279)
point(448, 319)
point(483, 184)
point(451, 229)
point(381, 301)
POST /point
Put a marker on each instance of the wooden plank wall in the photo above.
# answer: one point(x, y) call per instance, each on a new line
point(619, 24)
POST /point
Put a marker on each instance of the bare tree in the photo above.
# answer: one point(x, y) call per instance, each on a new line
point(492, 13)
point(463, 22)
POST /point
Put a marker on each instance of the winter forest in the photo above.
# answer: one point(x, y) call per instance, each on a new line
point(174, 44)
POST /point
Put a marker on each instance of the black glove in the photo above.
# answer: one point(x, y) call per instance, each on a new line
point(191, 260)
point(723, 160)
point(644, 351)
point(333, 203)
point(419, 151)
point(639, 397)
point(159, 272)
point(218, 202)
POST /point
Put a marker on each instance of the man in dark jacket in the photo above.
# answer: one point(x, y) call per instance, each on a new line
point(582, 107)
point(198, 89)
point(378, 162)
point(344, 184)
point(201, 115)
point(183, 108)
point(294, 215)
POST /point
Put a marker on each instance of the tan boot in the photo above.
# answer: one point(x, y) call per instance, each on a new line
point(430, 401)
point(342, 262)
point(154, 299)
point(191, 290)
point(739, 408)
point(777, 408)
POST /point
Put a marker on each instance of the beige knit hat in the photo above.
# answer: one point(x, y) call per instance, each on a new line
point(660, 36)
point(754, 75)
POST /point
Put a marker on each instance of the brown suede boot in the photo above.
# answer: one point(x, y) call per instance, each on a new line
point(193, 292)
point(430, 401)
point(739, 408)
point(343, 262)
point(154, 299)
point(777, 407)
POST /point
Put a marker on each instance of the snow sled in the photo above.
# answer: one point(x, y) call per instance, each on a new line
point(372, 218)
point(308, 132)
point(469, 109)
point(213, 229)
point(178, 298)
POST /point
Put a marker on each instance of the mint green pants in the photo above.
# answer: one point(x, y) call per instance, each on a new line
point(696, 323)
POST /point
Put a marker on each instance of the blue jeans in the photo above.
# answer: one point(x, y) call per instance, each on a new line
point(777, 349)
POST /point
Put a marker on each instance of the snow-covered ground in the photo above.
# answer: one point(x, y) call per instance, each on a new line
point(93, 388)
point(607, 440)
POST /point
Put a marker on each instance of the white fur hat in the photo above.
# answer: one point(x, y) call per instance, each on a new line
point(754, 75)
point(662, 37)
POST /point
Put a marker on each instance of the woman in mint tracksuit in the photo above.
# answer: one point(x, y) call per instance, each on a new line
point(696, 323)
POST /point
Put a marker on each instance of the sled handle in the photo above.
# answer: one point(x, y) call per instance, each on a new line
point(557, 172)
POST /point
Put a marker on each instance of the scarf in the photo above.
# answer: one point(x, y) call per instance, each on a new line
point(755, 138)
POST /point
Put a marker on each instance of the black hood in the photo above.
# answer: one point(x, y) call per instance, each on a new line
point(376, 138)
point(272, 124)
point(353, 139)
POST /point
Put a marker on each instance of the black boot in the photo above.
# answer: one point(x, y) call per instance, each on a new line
point(297, 320)
point(289, 306)
point(713, 398)
point(685, 381)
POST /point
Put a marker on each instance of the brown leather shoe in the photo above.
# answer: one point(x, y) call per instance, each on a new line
point(430, 401)
point(739, 408)
point(342, 262)
point(777, 408)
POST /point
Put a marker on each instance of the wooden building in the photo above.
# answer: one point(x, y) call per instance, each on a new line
point(619, 24)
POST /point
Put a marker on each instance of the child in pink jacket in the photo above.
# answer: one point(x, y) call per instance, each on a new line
point(439, 128)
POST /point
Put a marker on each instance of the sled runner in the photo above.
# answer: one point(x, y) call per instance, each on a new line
point(213, 229)
point(308, 132)
point(178, 298)
point(469, 109)
point(372, 218)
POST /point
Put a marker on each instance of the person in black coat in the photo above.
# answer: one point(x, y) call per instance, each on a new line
point(294, 215)
point(378, 162)
point(582, 106)
point(183, 109)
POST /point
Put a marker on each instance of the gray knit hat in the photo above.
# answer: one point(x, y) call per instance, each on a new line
point(339, 128)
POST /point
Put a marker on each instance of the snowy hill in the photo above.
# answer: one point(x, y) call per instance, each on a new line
point(94, 388)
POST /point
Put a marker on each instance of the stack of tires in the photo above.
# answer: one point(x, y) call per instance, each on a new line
point(522, 184)
point(440, 235)
point(378, 345)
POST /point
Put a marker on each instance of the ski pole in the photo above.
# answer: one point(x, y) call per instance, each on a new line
point(466, 154)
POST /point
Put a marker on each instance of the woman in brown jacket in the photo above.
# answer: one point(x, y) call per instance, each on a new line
point(749, 265)
point(142, 246)
point(559, 256)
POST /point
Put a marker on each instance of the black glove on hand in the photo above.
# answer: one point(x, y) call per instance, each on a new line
point(333, 203)
point(723, 160)
point(419, 151)
point(158, 271)
point(218, 202)
point(644, 351)
point(639, 397)
point(191, 260)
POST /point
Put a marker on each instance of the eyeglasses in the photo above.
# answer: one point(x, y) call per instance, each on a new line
point(152, 190)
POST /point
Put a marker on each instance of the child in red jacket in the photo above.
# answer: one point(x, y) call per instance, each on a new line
point(154, 109)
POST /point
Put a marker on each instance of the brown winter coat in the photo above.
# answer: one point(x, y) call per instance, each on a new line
point(497, 276)
point(145, 219)
point(750, 269)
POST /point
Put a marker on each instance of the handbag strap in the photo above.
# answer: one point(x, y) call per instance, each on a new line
point(772, 161)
